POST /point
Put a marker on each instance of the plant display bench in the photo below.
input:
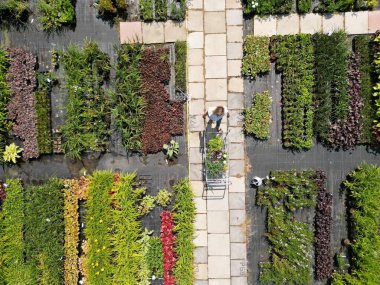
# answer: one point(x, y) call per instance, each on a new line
point(215, 159)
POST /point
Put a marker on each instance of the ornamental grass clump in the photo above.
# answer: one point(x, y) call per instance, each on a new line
point(21, 78)
point(87, 127)
point(290, 241)
point(5, 94)
point(295, 60)
point(363, 193)
point(257, 117)
point(256, 59)
point(56, 14)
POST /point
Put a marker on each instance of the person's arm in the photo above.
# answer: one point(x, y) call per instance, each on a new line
point(205, 115)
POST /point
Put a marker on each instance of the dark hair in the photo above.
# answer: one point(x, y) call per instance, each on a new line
point(218, 109)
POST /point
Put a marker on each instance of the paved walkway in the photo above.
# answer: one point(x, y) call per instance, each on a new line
point(215, 37)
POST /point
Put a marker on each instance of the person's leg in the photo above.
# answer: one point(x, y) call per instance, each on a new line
point(218, 122)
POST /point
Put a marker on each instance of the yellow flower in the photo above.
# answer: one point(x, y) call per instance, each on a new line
point(97, 264)
point(96, 240)
point(98, 250)
point(104, 247)
point(101, 221)
point(97, 273)
point(102, 269)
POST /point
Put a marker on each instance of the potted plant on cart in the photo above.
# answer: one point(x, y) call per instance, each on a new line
point(216, 157)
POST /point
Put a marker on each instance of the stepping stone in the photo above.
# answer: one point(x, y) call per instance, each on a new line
point(175, 31)
point(373, 21)
point(264, 26)
point(332, 22)
point(130, 32)
point(288, 25)
point(356, 22)
point(311, 23)
point(153, 33)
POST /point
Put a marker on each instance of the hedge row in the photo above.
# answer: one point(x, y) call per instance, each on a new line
point(162, 10)
point(87, 126)
point(256, 58)
point(180, 66)
point(257, 117)
point(295, 60)
point(290, 240)
point(264, 7)
point(363, 188)
point(5, 94)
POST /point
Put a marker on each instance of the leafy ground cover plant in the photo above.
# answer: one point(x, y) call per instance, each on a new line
point(180, 65)
point(167, 240)
point(216, 158)
point(56, 13)
point(376, 93)
point(363, 192)
point(264, 7)
point(146, 10)
point(290, 240)
point(5, 94)
point(257, 117)
point(71, 220)
point(88, 107)
point(171, 149)
point(331, 84)
point(178, 10)
point(154, 257)
point(22, 105)
point(44, 137)
point(256, 58)
point(112, 8)
point(98, 229)
point(161, 10)
point(44, 213)
point(129, 105)
point(362, 47)
point(13, 269)
point(303, 6)
point(295, 60)
point(164, 117)
point(347, 133)
point(184, 217)
point(13, 9)
point(163, 198)
point(11, 153)
point(323, 226)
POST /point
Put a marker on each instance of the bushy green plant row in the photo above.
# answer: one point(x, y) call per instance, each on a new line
point(180, 66)
point(88, 109)
point(113, 7)
point(295, 59)
point(13, 8)
point(376, 93)
point(43, 111)
point(184, 218)
point(256, 58)
point(363, 188)
point(56, 13)
point(361, 46)
point(13, 269)
point(161, 10)
point(5, 94)
point(257, 117)
point(44, 232)
point(129, 105)
point(290, 240)
point(331, 84)
point(264, 7)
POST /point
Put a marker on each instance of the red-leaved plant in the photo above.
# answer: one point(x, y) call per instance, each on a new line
point(347, 133)
point(21, 78)
point(2, 191)
point(323, 225)
point(167, 241)
point(163, 118)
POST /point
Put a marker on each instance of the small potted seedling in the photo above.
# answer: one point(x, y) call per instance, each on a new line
point(171, 150)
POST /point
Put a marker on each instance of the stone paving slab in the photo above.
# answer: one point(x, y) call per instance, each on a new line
point(288, 25)
point(175, 31)
point(195, 73)
point(218, 222)
point(200, 238)
point(356, 22)
point(332, 22)
point(195, 40)
point(237, 217)
point(234, 50)
point(236, 134)
point(237, 201)
point(214, 22)
point(196, 171)
point(216, 67)
point(195, 21)
point(200, 254)
point(235, 34)
point(234, 67)
point(264, 26)
point(195, 155)
point(219, 281)
point(218, 204)
point(196, 90)
point(130, 32)
point(235, 84)
point(201, 222)
point(214, 5)
point(237, 234)
point(153, 32)
point(236, 167)
point(216, 89)
point(238, 251)
point(237, 185)
point(197, 188)
point(195, 56)
point(239, 268)
point(239, 281)
point(219, 244)
point(310, 23)
point(201, 271)
point(236, 101)
point(234, 17)
point(236, 151)
point(373, 21)
point(215, 44)
point(219, 267)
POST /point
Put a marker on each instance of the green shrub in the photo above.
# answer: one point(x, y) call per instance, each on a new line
point(154, 257)
point(331, 6)
point(87, 125)
point(256, 58)
point(365, 4)
point(257, 117)
point(13, 8)
point(146, 10)
point(56, 13)
point(163, 198)
point(178, 10)
point(376, 88)
point(290, 240)
point(146, 205)
point(264, 7)
point(331, 84)
point(161, 10)
point(363, 193)
point(184, 218)
point(113, 7)
point(13, 269)
point(5, 94)
point(303, 6)
point(98, 222)
point(295, 60)
point(180, 66)
point(129, 105)
point(126, 230)
point(44, 136)
point(44, 232)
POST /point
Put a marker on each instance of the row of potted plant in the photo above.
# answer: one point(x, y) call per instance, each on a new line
point(295, 59)
point(264, 7)
point(290, 240)
point(168, 240)
point(56, 14)
point(376, 93)
point(323, 226)
point(257, 117)
point(162, 10)
point(363, 193)
point(5, 97)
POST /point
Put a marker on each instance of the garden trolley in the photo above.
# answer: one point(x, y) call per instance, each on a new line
point(216, 162)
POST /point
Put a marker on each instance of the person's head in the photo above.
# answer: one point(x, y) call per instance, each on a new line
point(219, 111)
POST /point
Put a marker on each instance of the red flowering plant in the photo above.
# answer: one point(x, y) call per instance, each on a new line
point(168, 240)
point(164, 118)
